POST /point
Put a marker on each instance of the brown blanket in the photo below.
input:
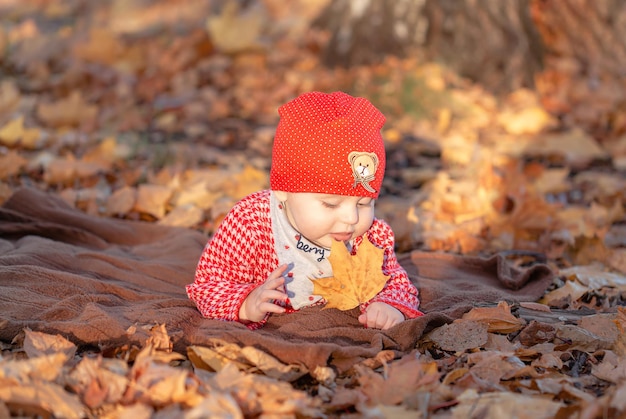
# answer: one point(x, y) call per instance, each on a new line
point(90, 279)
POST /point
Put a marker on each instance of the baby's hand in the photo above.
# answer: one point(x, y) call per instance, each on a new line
point(381, 316)
point(260, 301)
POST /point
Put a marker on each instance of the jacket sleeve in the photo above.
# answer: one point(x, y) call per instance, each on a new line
point(399, 292)
point(235, 261)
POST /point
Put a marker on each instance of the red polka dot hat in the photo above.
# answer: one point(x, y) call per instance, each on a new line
point(329, 143)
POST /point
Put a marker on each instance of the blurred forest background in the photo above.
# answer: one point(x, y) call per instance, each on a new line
point(506, 130)
point(506, 120)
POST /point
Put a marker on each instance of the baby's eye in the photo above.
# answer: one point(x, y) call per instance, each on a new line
point(365, 204)
point(329, 205)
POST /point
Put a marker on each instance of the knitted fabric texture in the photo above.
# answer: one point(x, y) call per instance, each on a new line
point(225, 274)
point(329, 143)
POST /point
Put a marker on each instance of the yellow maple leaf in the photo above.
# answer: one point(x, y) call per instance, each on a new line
point(356, 279)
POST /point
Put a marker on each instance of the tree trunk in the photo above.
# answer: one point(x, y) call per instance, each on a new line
point(572, 51)
point(491, 42)
point(494, 44)
point(364, 31)
point(584, 79)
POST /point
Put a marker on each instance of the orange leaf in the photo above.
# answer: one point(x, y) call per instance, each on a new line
point(357, 279)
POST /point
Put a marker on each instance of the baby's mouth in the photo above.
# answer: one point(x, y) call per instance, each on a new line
point(341, 237)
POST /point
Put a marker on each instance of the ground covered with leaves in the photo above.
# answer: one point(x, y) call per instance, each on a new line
point(165, 112)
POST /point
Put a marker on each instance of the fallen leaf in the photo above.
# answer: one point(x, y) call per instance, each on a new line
point(44, 367)
point(602, 325)
point(216, 357)
point(611, 368)
point(571, 290)
point(499, 319)
point(577, 147)
point(581, 339)
point(620, 322)
point(9, 95)
point(257, 393)
point(232, 31)
point(536, 332)
point(618, 401)
point(11, 163)
point(460, 336)
point(70, 112)
point(183, 216)
point(403, 378)
point(160, 384)
point(102, 47)
point(38, 344)
point(245, 182)
point(501, 404)
point(217, 405)
point(356, 279)
point(271, 366)
point(12, 132)
point(531, 120)
point(99, 380)
point(152, 199)
point(45, 398)
point(121, 201)
point(159, 339)
point(491, 367)
point(595, 277)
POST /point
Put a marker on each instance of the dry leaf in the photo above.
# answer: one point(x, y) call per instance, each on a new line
point(159, 339)
point(99, 380)
point(531, 120)
point(581, 339)
point(216, 357)
point(121, 201)
point(256, 394)
point(232, 31)
point(44, 367)
point(602, 325)
point(572, 290)
point(107, 152)
point(38, 344)
point(356, 279)
point(9, 95)
point(504, 405)
point(70, 112)
point(103, 47)
point(620, 322)
point(152, 199)
point(491, 367)
point(11, 163)
point(577, 147)
point(245, 182)
point(404, 377)
point(184, 216)
point(271, 366)
point(499, 319)
point(12, 132)
point(216, 405)
point(460, 336)
point(160, 384)
point(44, 398)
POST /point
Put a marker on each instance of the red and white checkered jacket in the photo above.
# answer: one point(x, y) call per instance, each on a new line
point(240, 257)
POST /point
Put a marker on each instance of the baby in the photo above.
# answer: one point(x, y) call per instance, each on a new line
point(328, 163)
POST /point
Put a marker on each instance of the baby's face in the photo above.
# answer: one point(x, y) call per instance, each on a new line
point(322, 218)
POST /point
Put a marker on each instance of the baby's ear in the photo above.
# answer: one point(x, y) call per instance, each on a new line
point(281, 195)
